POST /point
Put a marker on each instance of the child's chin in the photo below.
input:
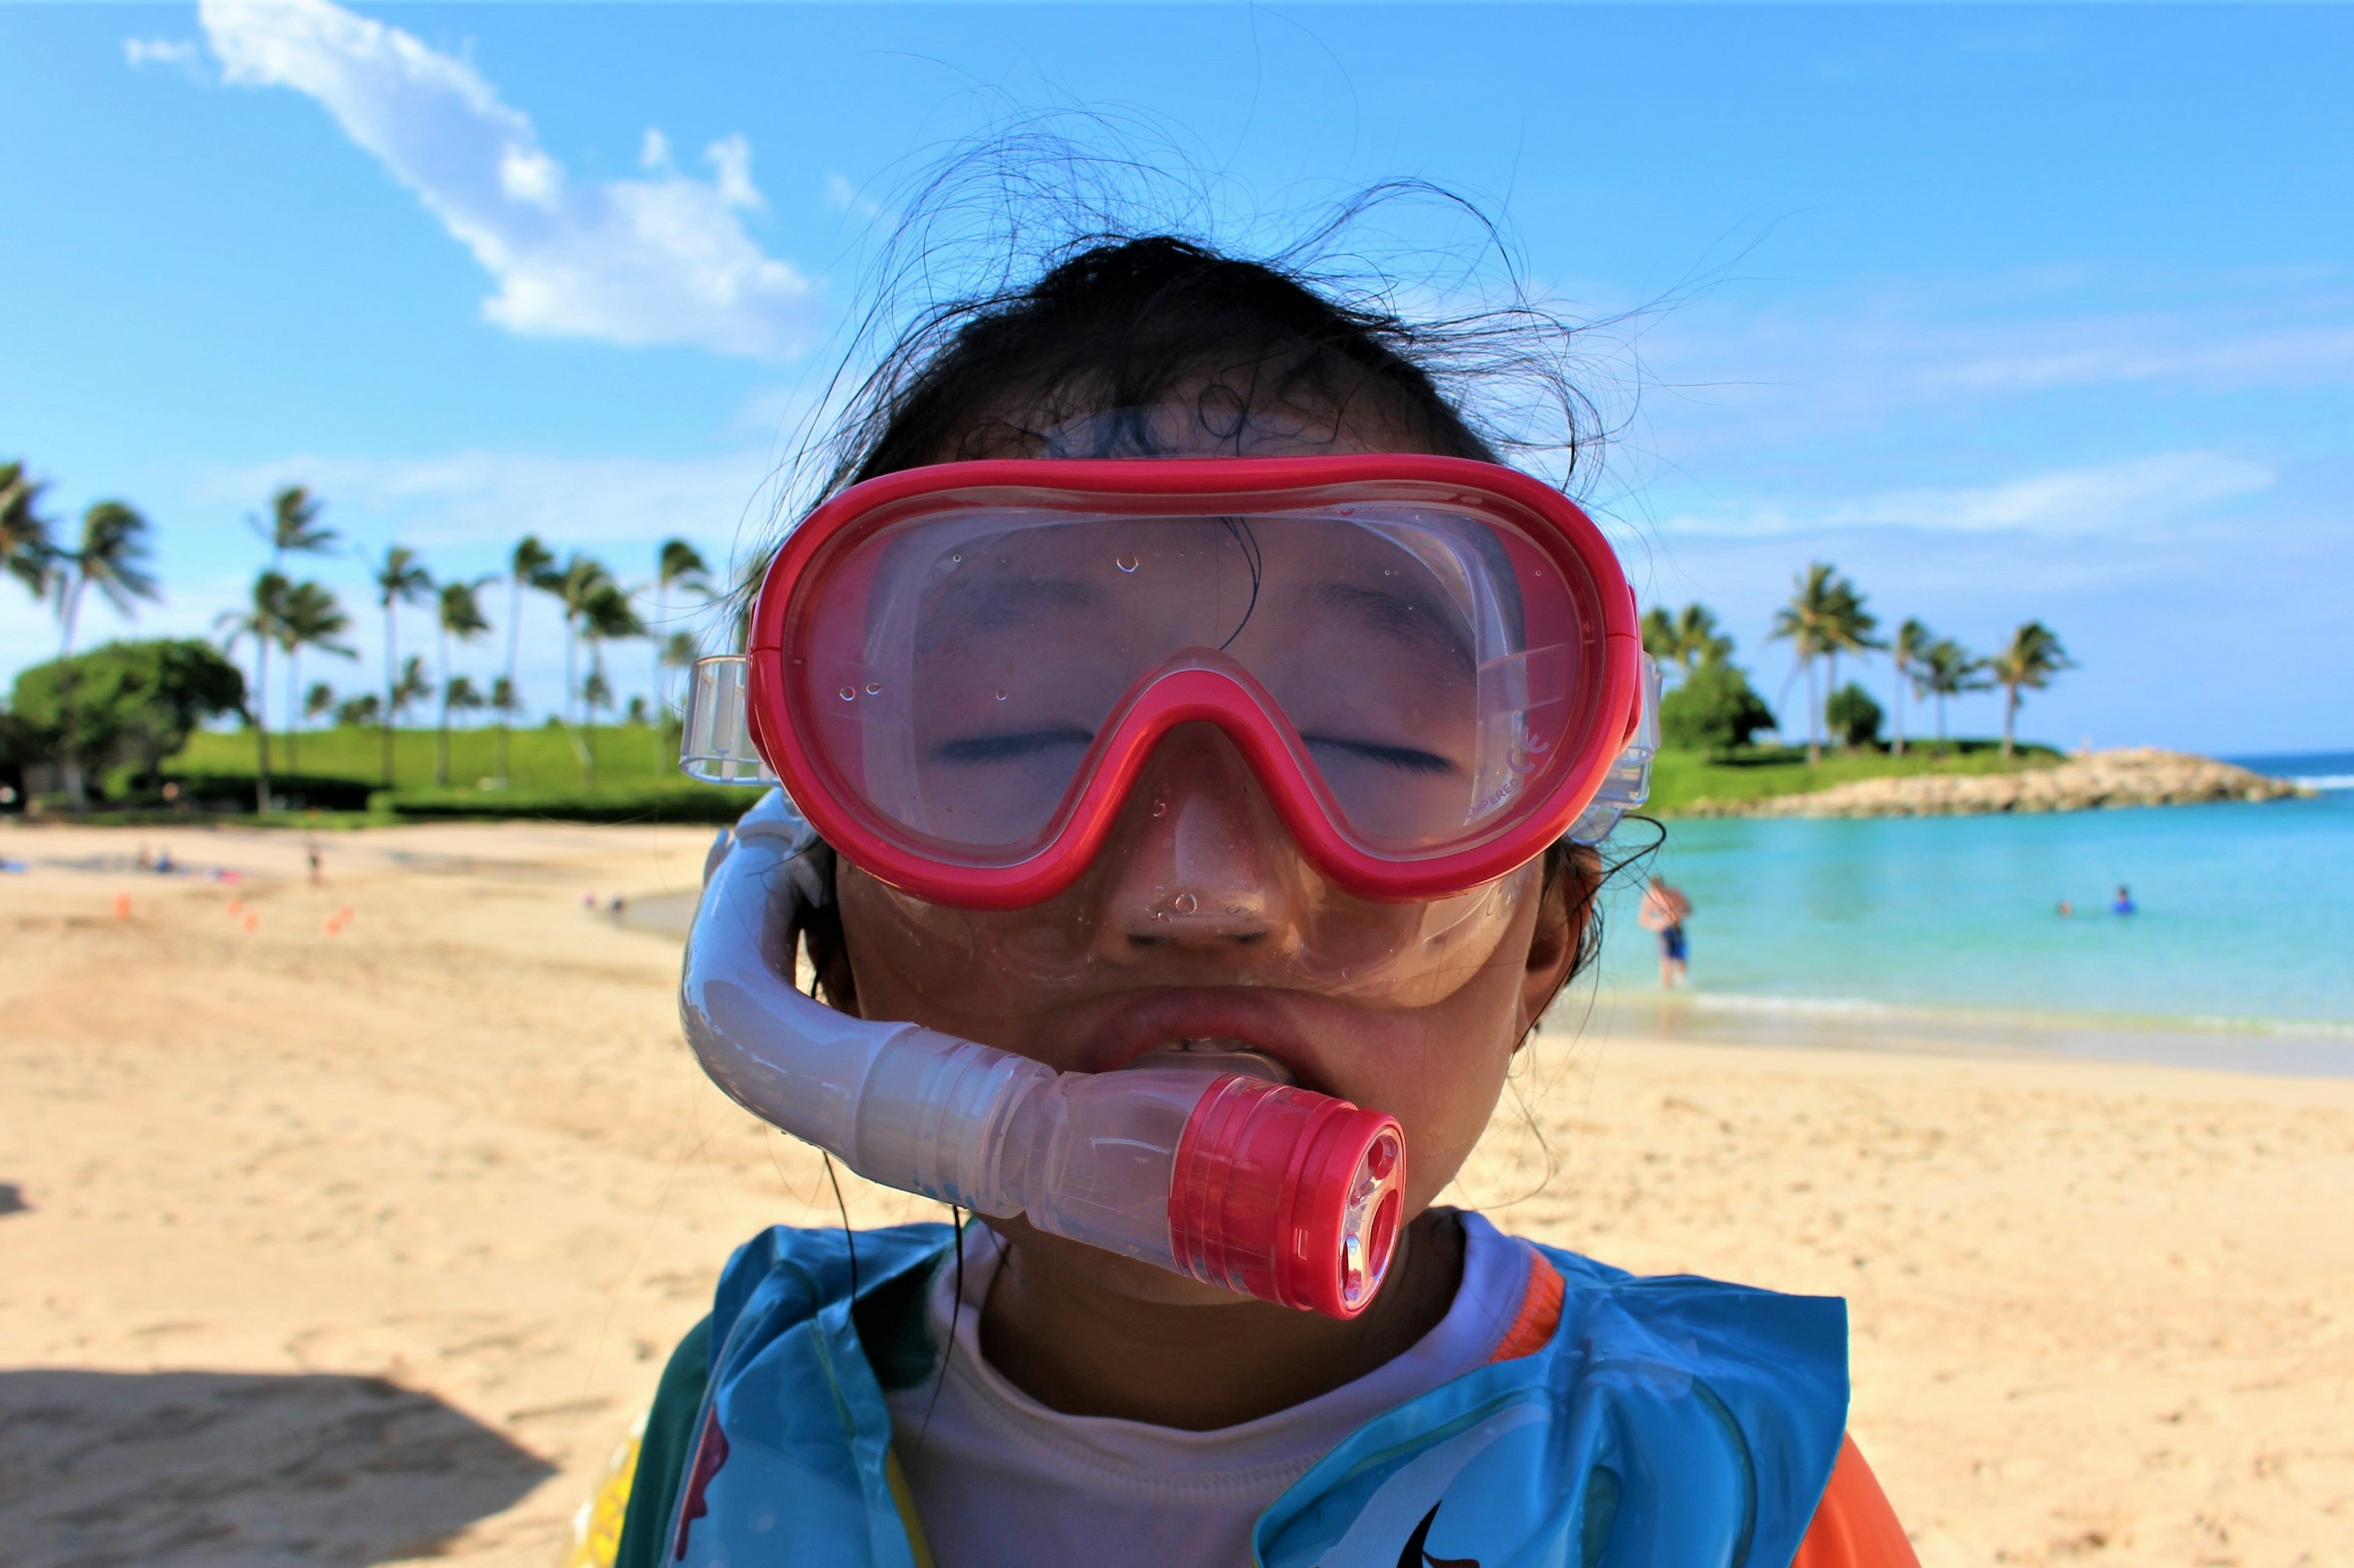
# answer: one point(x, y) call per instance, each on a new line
point(1060, 1264)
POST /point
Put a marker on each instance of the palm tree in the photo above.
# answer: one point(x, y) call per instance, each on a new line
point(1851, 627)
point(399, 579)
point(676, 565)
point(461, 621)
point(27, 550)
point(459, 695)
point(319, 701)
point(1911, 640)
point(1808, 624)
point(1946, 669)
point(2026, 663)
point(263, 620)
point(605, 616)
point(309, 617)
point(527, 567)
point(678, 652)
point(110, 555)
point(362, 712)
point(411, 688)
point(293, 526)
point(580, 582)
point(1689, 641)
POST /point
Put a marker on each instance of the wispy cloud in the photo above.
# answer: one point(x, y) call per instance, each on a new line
point(2139, 491)
point(483, 501)
point(179, 54)
point(660, 259)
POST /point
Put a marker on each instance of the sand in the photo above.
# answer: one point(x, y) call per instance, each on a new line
point(366, 1246)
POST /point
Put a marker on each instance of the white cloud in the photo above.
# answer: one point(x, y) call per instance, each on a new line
point(180, 54)
point(2072, 501)
point(662, 259)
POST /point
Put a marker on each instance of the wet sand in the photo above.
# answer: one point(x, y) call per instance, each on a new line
point(365, 1246)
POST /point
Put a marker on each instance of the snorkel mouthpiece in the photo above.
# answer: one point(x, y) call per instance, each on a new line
point(1263, 1188)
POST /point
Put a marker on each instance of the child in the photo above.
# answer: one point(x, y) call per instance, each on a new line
point(1126, 781)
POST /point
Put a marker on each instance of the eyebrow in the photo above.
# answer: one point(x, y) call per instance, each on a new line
point(964, 608)
point(1400, 617)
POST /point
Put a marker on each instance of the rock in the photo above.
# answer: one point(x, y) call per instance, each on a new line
point(2129, 775)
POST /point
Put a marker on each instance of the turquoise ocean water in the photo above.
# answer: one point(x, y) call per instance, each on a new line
point(2241, 943)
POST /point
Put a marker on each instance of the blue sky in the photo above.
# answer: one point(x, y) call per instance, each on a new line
point(2008, 312)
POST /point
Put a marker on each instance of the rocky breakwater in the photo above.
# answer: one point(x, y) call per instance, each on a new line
point(2130, 776)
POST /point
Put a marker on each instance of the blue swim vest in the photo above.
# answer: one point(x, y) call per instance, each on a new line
point(1668, 1423)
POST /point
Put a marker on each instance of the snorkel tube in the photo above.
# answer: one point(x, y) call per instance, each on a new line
point(1267, 1189)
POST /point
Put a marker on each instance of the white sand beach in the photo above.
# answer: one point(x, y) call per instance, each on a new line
point(364, 1246)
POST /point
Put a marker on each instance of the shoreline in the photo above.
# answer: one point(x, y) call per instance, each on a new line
point(2094, 780)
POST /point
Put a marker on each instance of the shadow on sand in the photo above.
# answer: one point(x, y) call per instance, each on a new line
point(190, 1468)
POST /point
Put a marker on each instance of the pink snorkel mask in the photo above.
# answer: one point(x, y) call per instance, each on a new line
point(957, 674)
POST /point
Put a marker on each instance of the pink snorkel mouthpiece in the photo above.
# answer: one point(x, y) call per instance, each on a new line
point(1265, 1189)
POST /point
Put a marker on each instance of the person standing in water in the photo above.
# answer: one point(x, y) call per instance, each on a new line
point(1665, 910)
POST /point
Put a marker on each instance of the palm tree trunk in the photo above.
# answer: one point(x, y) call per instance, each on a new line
point(1941, 721)
point(1896, 710)
point(441, 740)
point(2010, 716)
point(293, 698)
point(391, 677)
point(514, 650)
point(68, 612)
point(260, 722)
point(1814, 720)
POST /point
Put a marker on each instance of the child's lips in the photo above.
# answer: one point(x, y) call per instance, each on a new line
point(1200, 1021)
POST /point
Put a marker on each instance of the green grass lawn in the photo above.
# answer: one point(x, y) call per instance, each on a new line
point(1680, 778)
point(636, 771)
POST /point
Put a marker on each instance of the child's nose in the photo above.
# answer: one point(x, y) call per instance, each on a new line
point(1200, 859)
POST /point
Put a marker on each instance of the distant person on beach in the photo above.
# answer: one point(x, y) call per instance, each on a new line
point(2066, 909)
point(1665, 909)
point(318, 861)
point(2124, 904)
point(1205, 1308)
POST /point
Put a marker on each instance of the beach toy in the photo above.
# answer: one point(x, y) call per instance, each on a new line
point(123, 907)
point(253, 922)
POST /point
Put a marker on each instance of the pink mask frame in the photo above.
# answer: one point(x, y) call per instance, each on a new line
point(1606, 697)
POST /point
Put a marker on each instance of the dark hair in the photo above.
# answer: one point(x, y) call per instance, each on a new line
point(1112, 331)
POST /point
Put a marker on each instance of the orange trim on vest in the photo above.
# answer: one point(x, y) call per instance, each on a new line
point(1853, 1525)
point(1540, 1312)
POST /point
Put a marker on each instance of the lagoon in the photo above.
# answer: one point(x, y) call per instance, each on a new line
point(2244, 920)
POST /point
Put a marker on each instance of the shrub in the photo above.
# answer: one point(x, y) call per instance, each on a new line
point(130, 702)
point(1713, 710)
point(1853, 717)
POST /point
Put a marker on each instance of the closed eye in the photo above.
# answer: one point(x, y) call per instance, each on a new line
point(1404, 759)
point(1009, 748)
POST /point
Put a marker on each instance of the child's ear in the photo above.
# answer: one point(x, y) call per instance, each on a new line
point(1563, 908)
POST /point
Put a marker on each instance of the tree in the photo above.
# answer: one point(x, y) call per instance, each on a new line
point(361, 711)
point(527, 567)
point(580, 582)
point(1713, 710)
point(1808, 623)
point(412, 688)
point(506, 705)
point(459, 695)
point(2026, 663)
point(110, 555)
point(28, 545)
point(605, 616)
point(309, 617)
point(1690, 641)
point(262, 623)
point(132, 702)
point(399, 579)
point(293, 526)
point(1852, 717)
point(319, 702)
point(461, 621)
point(676, 565)
point(1912, 641)
point(1947, 670)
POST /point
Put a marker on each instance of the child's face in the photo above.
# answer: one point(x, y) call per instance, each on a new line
point(1200, 926)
